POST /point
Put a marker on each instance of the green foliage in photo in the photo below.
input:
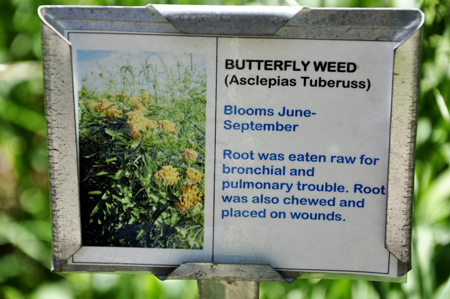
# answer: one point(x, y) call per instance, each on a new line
point(142, 153)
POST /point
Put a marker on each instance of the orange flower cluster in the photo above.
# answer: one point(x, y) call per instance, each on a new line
point(138, 122)
point(190, 199)
point(135, 102)
point(111, 110)
point(136, 119)
point(167, 126)
point(145, 97)
point(193, 175)
point(169, 174)
point(189, 155)
point(93, 104)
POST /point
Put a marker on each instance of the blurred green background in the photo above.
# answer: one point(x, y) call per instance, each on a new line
point(25, 230)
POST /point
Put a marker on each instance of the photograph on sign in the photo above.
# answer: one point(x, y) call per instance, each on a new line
point(142, 142)
point(136, 137)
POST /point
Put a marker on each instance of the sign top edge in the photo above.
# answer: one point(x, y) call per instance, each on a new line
point(375, 24)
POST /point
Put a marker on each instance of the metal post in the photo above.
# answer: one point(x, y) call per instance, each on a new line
point(228, 289)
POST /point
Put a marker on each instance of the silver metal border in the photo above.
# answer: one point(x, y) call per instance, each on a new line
point(402, 150)
point(397, 25)
point(62, 147)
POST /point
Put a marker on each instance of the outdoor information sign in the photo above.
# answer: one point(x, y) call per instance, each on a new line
point(230, 135)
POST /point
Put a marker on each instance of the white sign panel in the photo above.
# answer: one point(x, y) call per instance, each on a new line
point(234, 150)
point(302, 153)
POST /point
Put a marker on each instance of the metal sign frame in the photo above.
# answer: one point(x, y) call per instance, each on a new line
point(396, 25)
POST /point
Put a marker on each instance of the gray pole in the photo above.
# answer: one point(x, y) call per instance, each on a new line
point(228, 289)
